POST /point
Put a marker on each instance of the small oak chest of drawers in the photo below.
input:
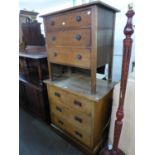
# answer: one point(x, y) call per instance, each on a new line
point(81, 36)
point(83, 117)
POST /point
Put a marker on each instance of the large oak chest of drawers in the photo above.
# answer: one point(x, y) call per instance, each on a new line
point(79, 114)
point(81, 36)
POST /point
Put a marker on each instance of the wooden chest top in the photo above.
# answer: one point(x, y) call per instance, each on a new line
point(79, 84)
point(98, 3)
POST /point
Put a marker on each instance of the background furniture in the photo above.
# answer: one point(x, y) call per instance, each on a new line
point(34, 98)
point(32, 91)
point(32, 33)
point(81, 36)
point(23, 15)
point(33, 65)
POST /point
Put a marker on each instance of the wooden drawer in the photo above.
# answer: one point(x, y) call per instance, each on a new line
point(76, 38)
point(74, 131)
point(70, 56)
point(80, 104)
point(81, 19)
point(75, 102)
point(76, 118)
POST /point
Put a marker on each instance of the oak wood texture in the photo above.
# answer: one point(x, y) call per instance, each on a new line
point(99, 3)
point(69, 21)
point(74, 131)
point(76, 111)
point(70, 56)
point(76, 38)
point(86, 27)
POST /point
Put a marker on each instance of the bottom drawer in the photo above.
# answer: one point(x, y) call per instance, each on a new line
point(72, 130)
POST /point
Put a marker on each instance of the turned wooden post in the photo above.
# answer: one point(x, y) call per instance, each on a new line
point(127, 44)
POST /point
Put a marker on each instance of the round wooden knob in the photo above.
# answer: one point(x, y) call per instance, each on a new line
point(78, 37)
point(55, 54)
point(79, 57)
point(78, 18)
point(53, 38)
point(52, 23)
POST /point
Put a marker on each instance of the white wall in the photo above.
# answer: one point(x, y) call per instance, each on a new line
point(46, 6)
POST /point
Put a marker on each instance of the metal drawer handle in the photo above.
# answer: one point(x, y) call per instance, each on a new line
point(78, 18)
point(53, 38)
point(78, 134)
point(77, 103)
point(58, 109)
point(78, 57)
point(57, 94)
point(55, 54)
point(60, 122)
point(78, 119)
point(78, 37)
point(52, 23)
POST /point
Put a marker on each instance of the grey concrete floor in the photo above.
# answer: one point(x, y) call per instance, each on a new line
point(37, 138)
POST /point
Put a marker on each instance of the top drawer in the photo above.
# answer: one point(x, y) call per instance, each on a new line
point(70, 100)
point(80, 19)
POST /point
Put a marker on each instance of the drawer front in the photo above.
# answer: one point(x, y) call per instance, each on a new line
point(74, 131)
point(70, 56)
point(81, 19)
point(76, 38)
point(56, 95)
point(77, 119)
point(74, 102)
point(80, 104)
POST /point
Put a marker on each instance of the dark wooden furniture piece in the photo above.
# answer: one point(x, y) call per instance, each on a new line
point(33, 65)
point(33, 97)
point(32, 90)
point(79, 115)
point(32, 33)
point(127, 44)
point(82, 37)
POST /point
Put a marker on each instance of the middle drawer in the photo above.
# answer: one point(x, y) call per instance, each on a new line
point(76, 118)
point(79, 38)
point(70, 56)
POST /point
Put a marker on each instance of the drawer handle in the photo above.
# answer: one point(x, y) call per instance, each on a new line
point(58, 109)
point(78, 134)
point(55, 54)
point(78, 119)
point(60, 122)
point(57, 94)
point(78, 18)
point(78, 57)
point(53, 38)
point(78, 37)
point(78, 103)
point(52, 23)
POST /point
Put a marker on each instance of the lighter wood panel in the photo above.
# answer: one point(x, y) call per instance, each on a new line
point(71, 129)
point(101, 117)
point(76, 118)
point(74, 102)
